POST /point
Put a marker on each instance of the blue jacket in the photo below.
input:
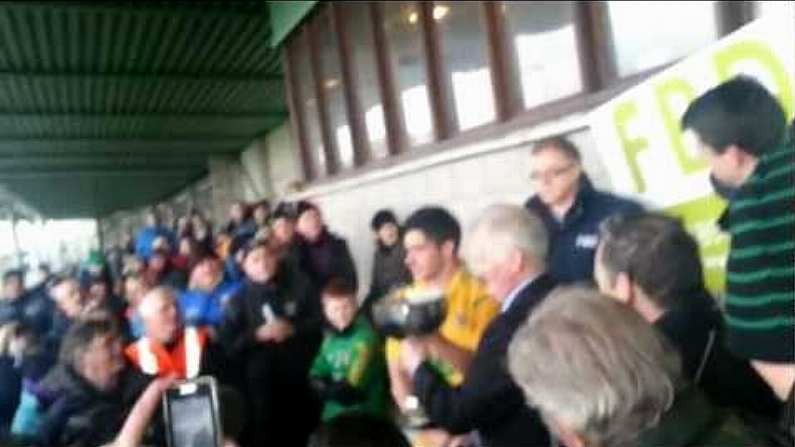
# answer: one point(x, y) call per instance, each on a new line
point(143, 242)
point(200, 308)
point(572, 243)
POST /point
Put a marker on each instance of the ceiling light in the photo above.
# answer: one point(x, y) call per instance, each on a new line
point(331, 83)
point(440, 11)
point(413, 17)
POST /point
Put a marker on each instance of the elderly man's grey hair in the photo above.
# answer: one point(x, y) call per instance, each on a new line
point(594, 366)
point(500, 229)
point(151, 301)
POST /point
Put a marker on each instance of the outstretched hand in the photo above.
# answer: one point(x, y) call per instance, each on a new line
point(137, 421)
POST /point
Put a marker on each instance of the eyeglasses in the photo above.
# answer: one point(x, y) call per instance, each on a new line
point(550, 174)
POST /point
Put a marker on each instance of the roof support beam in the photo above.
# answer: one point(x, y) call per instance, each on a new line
point(141, 114)
point(159, 173)
point(22, 156)
point(136, 140)
point(90, 173)
point(163, 8)
point(126, 76)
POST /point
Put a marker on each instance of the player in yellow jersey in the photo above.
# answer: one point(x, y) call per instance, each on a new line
point(432, 237)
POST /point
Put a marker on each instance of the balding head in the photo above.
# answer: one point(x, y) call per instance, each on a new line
point(158, 310)
point(506, 245)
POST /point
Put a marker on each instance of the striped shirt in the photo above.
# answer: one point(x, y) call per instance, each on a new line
point(760, 273)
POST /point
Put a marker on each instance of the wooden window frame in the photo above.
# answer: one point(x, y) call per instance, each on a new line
point(598, 69)
point(350, 86)
point(330, 149)
point(440, 92)
point(296, 110)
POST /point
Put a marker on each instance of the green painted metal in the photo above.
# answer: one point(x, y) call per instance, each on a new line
point(285, 16)
point(110, 105)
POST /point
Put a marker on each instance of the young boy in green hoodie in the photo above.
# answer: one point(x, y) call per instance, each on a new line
point(348, 372)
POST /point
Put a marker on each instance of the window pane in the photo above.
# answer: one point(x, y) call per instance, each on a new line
point(404, 35)
point(332, 85)
point(774, 8)
point(464, 53)
point(306, 90)
point(545, 41)
point(648, 34)
point(363, 49)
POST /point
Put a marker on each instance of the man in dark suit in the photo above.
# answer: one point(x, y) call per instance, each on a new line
point(506, 248)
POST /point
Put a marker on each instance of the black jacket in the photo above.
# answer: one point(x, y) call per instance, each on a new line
point(289, 295)
point(488, 400)
point(728, 381)
point(389, 271)
point(34, 309)
point(10, 387)
point(81, 415)
point(274, 376)
point(327, 258)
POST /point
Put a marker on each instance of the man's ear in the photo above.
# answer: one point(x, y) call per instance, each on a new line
point(448, 249)
point(517, 261)
point(568, 437)
point(623, 287)
point(734, 154)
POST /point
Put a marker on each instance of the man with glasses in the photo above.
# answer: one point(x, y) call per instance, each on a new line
point(570, 207)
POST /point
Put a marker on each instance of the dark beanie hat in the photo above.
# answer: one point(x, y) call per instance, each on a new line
point(287, 210)
point(303, 206)
point(382, 218)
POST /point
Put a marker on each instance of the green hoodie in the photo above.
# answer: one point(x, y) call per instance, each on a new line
point(355, 356)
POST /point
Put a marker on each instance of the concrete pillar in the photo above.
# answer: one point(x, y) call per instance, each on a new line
point(226, 185)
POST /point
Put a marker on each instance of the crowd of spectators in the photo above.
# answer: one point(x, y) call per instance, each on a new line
point(579, 319)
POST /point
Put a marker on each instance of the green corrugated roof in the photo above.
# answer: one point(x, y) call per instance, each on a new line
point(285, 16)
point(112, 105)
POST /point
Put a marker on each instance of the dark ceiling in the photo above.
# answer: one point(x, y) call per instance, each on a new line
point(113, 105)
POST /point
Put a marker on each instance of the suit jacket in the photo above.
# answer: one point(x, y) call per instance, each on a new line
point(488, 400)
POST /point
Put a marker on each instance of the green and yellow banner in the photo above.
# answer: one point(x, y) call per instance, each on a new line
point(649, 158)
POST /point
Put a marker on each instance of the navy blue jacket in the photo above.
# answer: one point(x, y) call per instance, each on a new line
point(572, 243)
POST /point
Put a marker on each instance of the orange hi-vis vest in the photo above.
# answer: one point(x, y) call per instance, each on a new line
point(183, 360)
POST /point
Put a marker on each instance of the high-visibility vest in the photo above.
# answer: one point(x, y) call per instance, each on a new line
point(183, 360)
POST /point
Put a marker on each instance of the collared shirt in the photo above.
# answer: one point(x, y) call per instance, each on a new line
point(506, 303)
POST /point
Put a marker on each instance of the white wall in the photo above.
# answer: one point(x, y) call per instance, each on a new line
point(465, 180)
point(284, 167)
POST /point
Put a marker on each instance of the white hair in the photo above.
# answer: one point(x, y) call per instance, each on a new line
point(594, 366)
point(150, 303)
point(502, 228)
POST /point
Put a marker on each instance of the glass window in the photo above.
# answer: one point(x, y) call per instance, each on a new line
point(774, 8)
point(302, 70)
point(360, 30)
point(545, 41)
point(465, 55)
point(648, 34)
point(404, 35)
point(333, 88)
